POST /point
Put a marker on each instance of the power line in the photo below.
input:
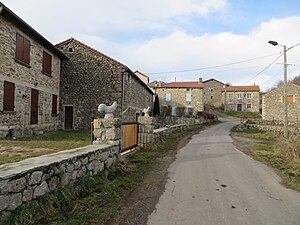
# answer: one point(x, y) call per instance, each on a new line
point(293, 46)
point(264, 69)
point(212, 67)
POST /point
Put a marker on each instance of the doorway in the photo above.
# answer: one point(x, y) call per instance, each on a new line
point(34, 106)
point(239, 107)
point(68, 117)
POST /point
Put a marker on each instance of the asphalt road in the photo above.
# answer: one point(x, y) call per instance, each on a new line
point(212, 183)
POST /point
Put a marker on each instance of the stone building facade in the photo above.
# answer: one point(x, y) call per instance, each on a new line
point(29, 78)
point(241, 98)
point(142, 76)
point(187, 96)
point(212, 93)
point(273, 104)
point(89, 78)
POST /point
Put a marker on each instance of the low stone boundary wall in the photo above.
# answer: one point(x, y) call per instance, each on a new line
point(162, 122)
point(276, 129)
point(34, 177)
point(165, 131)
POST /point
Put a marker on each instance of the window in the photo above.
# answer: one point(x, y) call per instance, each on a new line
point(9, 96)
point(22, 49)
point(188, 97)
point(173, 112)
point(290, 98)
point(230, 96)
point(230, 107)
point(168, 97)
point(54, 104)
point(239, 96)
point(211, 97)
point(248, 106)
point(47, 63)
point(249, 95)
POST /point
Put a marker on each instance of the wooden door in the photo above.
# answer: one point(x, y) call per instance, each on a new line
point(129, 135)
point(34, 106)
point(239, 107)
point(68, 117)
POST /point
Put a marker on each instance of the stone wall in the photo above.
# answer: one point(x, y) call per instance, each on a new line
point(178, 98)
point(34, 177)
point(170, 121)
point(31, 178)
point(273, 104)
point(212, 93)
point(88, 79)
point(254, 101)
point(137, 96)
point(26, 78)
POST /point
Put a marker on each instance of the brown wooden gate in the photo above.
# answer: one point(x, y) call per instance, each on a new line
point(34, 106)
point(129, 135)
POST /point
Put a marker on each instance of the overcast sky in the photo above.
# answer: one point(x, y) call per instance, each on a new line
point(178, 35)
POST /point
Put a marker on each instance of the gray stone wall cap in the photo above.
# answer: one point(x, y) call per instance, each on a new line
point(10, 170)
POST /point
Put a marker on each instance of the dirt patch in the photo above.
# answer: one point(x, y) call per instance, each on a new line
point(136, 208)
point(245, 145)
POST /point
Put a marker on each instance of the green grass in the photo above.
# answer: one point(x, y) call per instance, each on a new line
point(22, 148)
point(95, 199)
point(254, 134)
point(243, 115)
point(273, 152)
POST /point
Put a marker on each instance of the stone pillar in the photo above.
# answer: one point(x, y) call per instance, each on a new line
point(107, 131)
point(146, 127)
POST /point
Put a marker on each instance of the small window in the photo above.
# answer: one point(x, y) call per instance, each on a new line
point(249, 95)
point(9, 96)
point(211, 97)
point(239, 96)
point(248, 106)
point(22, 49)
point(188, 97)
point(71, 49)
point(47, 63)
point(230, 107)
point(290, 98)
point(173, 112)
point(168, 97)
point(230, 96)
point(54, 104)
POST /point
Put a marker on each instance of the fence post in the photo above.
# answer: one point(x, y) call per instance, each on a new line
point(146, 128)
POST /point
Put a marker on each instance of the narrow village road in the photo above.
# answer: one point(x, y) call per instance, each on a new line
point(212, 183)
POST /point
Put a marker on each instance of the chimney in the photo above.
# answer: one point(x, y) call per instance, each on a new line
point(200, 79)
point(175, 79)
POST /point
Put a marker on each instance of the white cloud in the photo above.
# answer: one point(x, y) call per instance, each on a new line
point(180, 50)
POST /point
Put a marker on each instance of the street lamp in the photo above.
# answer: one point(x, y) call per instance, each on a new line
point(286, 132)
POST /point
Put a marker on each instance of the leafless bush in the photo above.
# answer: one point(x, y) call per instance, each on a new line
point(289, 148)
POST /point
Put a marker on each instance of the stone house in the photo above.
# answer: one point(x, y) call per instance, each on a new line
point(273, 104)
point(212, 93)
point(142, 76)
point(241, 98)
point(180, 96)
point(89, 78)
point(29, 78)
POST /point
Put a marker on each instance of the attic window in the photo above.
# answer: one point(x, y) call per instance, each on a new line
point(71, 49)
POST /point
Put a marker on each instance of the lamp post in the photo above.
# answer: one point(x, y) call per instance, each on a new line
point(285, 99)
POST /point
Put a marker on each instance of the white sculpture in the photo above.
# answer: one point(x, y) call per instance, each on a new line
point(146, 111)
point(108, 110)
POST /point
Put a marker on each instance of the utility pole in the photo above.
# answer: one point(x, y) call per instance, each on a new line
point(285, 98)
point(286, 131)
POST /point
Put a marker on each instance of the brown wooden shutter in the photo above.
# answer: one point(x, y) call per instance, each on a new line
point(26, 53)
point(19, 47)
point(9, 96)
point(47, 63)
point(54, 104)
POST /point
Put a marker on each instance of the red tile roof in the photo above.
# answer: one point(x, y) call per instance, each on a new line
point(193, 84)
point(94, 50)
point(242, 88)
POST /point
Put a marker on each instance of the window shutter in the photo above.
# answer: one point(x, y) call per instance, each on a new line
point(26, 53)
point(9, 96)
point(47, 63)
point(54, 104)
point(19, 47)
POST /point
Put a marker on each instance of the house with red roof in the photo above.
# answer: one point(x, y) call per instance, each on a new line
point(181, 97)
point(241, 98)
point(90, 77)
